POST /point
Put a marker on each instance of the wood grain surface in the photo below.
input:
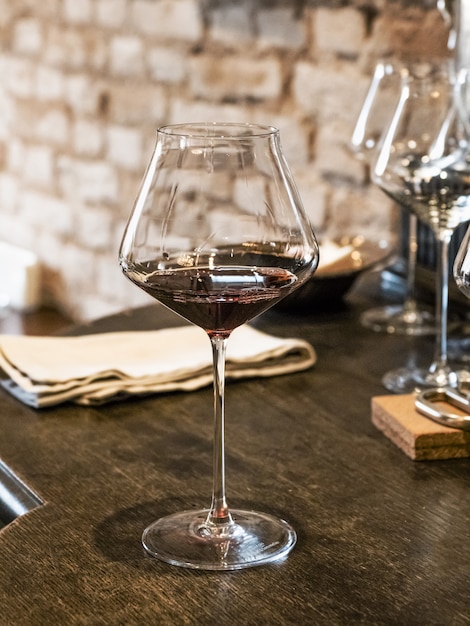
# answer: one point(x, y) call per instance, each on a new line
point(382, 539)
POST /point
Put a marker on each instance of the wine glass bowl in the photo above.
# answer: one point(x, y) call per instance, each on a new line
point(376, 109)
point(218, 234)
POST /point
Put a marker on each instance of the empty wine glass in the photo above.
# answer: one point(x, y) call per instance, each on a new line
point(376, 113)
point(422, 166)
point(218, 234)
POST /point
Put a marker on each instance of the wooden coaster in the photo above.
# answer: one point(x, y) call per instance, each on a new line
point(418, 436)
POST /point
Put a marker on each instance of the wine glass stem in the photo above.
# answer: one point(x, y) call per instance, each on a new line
point(410, 295)
point(219, 513)
point(442, 304)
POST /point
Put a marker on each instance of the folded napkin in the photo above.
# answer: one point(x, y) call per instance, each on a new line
point(94, 369)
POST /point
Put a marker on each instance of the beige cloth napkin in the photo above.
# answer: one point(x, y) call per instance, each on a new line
point(94, 369)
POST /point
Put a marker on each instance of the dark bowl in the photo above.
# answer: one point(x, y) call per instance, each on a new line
point(331, 282)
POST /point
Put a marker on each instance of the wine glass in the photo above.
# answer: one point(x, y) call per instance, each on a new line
point(422, 166)
point(408, 318)
point(218, 234)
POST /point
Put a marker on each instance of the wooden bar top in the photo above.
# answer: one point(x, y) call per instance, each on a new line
point(382, 539)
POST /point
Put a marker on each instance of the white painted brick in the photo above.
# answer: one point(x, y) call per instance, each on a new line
point(114, 286)
point(141, 103)
point(49, 83)
point(324, 90)
point(49, 247)
point(16, 231)
point(81, 93)
point(182, 110)
point(53, 127)
point(7, 13)
point(281, 28)
point(235, 77)
point(334, 155)
point(125, 147)
point(77, 12)
point(314, 193)
point(77, 268)
point(111, 13)
point(94, 227)
point(27, 36)
point(97, 182)
point(339, 31)
point(127, 56)
point(168, 19)
point(293, 134)
point(89, 181)
point(111, 281)
point(232, 25)
point(354, 211)
point(65, 48)
point(9, 189)
point(97, 50)
point(66, 179)
point(167, 65)
point(7, 110)
point(87, 137)
point(46, 9)
point(46, 211)
point(19, 77)
point(15, 155)
point(38, 165)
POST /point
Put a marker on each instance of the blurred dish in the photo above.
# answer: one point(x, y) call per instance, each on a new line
point(342, 261)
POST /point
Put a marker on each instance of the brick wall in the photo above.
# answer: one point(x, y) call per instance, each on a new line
point(86, 83)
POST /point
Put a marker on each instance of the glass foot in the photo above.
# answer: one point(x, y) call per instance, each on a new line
point(408, 380)
point(399, 320)
point(188, 540)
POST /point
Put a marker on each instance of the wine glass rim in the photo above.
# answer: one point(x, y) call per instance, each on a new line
point(226, 130)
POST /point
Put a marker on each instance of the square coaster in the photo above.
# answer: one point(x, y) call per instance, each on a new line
point(419, 437)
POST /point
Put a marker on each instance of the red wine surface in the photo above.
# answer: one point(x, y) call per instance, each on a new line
point(217, 299)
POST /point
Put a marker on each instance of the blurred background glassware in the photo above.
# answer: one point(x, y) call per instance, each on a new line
point(460, 346)
point(422, 165)
point(342, 261)
point(219, 235)
point(408, 318)
point(461, 269)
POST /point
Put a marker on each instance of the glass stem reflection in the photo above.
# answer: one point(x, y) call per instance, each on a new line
point(410, 304)
point(442, 304)
point(219, 514)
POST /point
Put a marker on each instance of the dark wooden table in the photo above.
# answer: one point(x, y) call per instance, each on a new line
point(382, 539)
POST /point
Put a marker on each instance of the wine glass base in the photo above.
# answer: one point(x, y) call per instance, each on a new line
point(396, 319)
point(187, 540)
point(409, 380)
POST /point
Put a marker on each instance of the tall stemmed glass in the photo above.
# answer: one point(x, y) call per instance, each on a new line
point(218, 234)
point(408, 318)
point(422, 166)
